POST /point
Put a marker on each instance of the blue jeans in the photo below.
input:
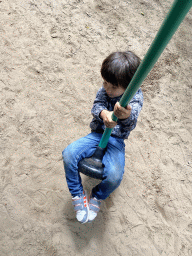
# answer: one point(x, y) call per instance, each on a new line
point(113, 160)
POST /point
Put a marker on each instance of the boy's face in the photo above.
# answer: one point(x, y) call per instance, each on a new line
point(113, 91)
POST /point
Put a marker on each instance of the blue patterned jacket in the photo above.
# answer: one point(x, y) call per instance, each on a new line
point(124, 126)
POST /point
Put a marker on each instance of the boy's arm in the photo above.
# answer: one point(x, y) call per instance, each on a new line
point(99, 104)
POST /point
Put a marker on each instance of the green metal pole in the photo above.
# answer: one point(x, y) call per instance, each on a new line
point(175, 16)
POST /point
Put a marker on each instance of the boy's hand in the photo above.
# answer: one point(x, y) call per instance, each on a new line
point(106, 116)
point(121, 112)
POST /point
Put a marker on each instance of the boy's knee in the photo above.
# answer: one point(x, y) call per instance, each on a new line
point(115, 178)
point(67, 156)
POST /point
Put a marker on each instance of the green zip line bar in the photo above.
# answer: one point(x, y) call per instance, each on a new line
point(175, 16)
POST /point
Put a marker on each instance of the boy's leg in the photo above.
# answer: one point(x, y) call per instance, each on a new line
point(82, 148)
point(114, 162)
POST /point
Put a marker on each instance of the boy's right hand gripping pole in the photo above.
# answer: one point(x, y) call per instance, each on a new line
point(175, 16)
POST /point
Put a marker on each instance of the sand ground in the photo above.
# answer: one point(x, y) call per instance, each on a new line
point(50, 57)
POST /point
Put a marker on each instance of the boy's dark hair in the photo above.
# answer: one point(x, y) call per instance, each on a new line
point(119, 67)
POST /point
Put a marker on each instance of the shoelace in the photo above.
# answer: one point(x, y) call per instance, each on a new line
point(85, 201)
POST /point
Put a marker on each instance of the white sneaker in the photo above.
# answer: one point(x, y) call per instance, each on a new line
point(94, 207)
point(81, 207)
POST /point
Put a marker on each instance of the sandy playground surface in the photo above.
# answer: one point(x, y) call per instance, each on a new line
point(50, 57)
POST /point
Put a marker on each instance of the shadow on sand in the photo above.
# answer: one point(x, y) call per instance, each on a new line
point(85, 234)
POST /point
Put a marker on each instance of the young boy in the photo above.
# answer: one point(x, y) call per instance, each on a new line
point(117, 71)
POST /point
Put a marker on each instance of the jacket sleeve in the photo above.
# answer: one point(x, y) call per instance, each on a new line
point(136, 104)
point(99, 104)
